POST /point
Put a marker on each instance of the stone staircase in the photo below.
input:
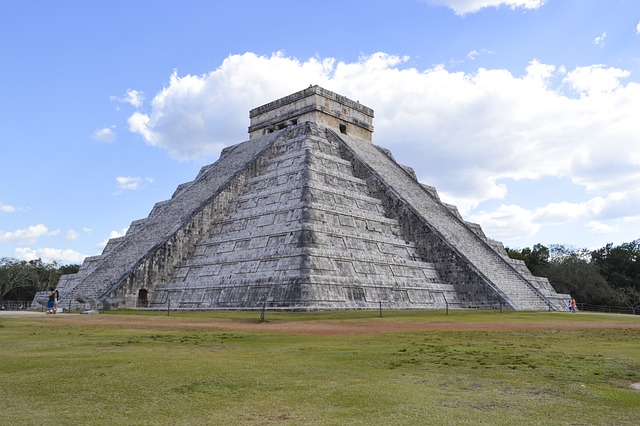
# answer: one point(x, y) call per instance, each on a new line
point(305, 234)
point(496, 272)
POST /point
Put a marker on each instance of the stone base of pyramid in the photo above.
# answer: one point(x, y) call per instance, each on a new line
point(331, 295)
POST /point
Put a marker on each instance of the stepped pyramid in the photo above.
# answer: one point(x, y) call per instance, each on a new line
point(306, 214)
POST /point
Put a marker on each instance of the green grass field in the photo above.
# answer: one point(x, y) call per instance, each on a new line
point(324, 368)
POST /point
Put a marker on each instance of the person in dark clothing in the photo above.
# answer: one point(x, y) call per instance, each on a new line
point(56, 296)
point(51, 302)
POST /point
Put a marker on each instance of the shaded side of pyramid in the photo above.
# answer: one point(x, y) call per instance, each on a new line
point(307, 214)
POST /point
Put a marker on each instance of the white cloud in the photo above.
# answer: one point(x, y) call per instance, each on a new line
point(595, 79)
point(50, 255)
point(7, 208)
point(601, 215)
point(514, 222)
point(622, 205)
point(507, 222)
point(599, 40)
point(515, 127)
point(29, 235)
point(601, 228)
point(134, 98)
point(464, 133)
point(129, 183)
point(72, 235)
point(462, 7)
point(474, 54)
point(558, 213)
point(104, 135)
point(196, 116)
point(638, 28)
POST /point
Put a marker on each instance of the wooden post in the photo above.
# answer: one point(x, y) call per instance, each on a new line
point(264, 307)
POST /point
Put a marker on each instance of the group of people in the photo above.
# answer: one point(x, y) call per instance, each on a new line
point(573, 306)
point(52, 303)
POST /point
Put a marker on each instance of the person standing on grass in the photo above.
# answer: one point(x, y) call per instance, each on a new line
point(51, 302)
point(573, 305)
point(56, 296)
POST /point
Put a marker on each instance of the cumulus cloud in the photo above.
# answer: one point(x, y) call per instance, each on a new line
point(462, 7)
point(6, 208)
point(128, 183)
point(638, 28)
point(104, 135)
point(594, 79)
point(29, 235)
point(50, 255)
point(619, 205)
point(466, 133)
point(194, 117)
point(507, 222)
point(513, 221)
point(134, 98)
point(602, 215)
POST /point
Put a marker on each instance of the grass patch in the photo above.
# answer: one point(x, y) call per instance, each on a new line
point(130, 367)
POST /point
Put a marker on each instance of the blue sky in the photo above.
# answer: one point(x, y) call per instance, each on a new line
point(523, 113)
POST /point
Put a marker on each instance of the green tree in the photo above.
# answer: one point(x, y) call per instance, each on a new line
point(536, 258)
point(631, 298)
point(68, 269)
point(620, 265)
point(21, 280)
point(571, 272)
point(14, 274)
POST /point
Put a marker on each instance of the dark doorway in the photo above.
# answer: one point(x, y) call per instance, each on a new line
point(142, 301)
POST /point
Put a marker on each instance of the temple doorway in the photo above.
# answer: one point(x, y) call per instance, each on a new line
point(142, 301)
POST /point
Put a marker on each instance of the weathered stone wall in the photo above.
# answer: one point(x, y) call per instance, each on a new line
point(156, 269)
point(316, 105)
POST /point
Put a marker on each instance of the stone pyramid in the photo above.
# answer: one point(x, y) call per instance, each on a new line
point(306, 214)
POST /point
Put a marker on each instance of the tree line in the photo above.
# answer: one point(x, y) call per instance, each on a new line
point(22, 279)
point(609, 276)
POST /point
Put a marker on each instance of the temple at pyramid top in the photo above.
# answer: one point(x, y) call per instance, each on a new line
point(306, 214)
point(317, 105)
